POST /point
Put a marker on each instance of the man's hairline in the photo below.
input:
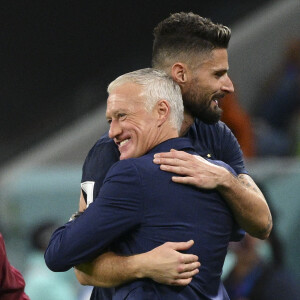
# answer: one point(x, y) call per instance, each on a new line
point(142, 94)
point(193, 67)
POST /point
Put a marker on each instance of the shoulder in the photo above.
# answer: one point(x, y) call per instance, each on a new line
point(133, 171)
point(220, 128)
point(216, 137)
point(103, 154)
point(129, 166)
point(100, 158)
point(219, 140)
point(125, 176)
point(103, 145)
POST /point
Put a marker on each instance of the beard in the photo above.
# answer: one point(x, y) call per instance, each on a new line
point(198, 105)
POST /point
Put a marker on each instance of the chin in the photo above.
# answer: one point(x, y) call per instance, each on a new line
point(123, 156)
point(210, 117)
point(127, 155)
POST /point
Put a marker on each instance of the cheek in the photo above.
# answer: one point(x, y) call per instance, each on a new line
point(145, 133)
point(145, 125)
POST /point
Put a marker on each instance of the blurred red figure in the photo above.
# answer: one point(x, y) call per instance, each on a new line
point(12, 283)
point(239, 122)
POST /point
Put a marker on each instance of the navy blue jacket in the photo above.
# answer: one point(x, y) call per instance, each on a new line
point(139, 208)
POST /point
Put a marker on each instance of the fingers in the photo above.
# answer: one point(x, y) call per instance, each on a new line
point(184, 180)
point(175, 157)
point(169, 161)
point(174, 169)
point(188, 262)
point(179, 246)
point(178, 162)
point(181, 282)
point(188, 274)
point(173, 267)
point(188, 259)
point(184, 278)
point(188, 267)
point(173, 154)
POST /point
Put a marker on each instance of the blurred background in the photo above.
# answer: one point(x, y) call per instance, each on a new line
point(57, 58)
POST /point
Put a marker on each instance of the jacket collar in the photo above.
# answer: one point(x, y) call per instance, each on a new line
point(175, 143)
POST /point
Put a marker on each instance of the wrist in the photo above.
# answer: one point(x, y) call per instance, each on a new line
point(139, 265)
point(226, 179)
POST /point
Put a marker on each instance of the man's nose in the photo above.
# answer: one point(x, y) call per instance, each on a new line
point(114, 129)
point(227, 85)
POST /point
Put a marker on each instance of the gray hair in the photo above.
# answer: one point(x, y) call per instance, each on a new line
point(156, 85)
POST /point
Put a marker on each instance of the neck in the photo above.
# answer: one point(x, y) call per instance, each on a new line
point(188, 121)
point(157, 135)
point(166, 133)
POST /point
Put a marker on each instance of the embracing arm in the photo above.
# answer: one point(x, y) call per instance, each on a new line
point(163, 264)
point(246, 201)
point(248, 205)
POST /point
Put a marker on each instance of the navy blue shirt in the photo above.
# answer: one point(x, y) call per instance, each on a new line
point(214, 141)
point(138, 208)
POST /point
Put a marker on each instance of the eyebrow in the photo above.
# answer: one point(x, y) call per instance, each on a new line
point(221, 71)
point(115, 113)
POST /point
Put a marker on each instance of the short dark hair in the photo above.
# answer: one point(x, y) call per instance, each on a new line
point(183, 34)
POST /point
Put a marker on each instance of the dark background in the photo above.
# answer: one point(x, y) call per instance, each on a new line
point(51, 48)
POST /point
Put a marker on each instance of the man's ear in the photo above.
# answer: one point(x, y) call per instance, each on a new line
point(163, 111)
point(179, 73)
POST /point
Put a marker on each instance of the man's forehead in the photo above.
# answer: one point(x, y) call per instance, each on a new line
point(217, 59)
point(118, 97)
point(116, 103)
point(128, 91)
point(124, 97)
point(121, 98)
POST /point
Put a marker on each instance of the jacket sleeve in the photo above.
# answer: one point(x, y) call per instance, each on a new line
point(117, 210)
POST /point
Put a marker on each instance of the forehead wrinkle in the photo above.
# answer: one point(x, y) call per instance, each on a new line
point(127, 97)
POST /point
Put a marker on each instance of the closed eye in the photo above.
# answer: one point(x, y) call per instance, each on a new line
point(121, 116)
point(220, 73)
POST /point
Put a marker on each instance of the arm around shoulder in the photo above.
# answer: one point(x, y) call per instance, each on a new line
point(246, 201)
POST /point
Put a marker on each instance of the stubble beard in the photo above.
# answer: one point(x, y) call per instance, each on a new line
point(198, 105)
